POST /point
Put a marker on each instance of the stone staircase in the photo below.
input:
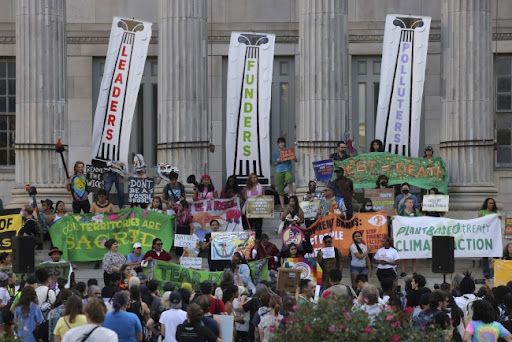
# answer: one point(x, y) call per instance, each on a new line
point(85, 270)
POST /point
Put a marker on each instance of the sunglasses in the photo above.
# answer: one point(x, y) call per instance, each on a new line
point(328, 241)
point(138, 247)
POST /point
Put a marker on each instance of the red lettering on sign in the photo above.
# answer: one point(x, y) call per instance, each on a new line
point(116, 92)
point(119, 78)
point(109, 134)
point(122, 63)
point(123, 51)
point(113, 106)
point(111, 119)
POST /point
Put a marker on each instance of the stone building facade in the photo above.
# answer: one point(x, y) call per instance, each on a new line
point(325, 85)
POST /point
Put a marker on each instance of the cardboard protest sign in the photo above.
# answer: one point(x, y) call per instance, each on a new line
point(479, 237)
point(141, 190)
point(438, 203)
point(55, 271)
point(364, 169)
point(224, 245)
point(328, 253)
point(168, 271)
point(287, 154)
point(292, 234)
point(382, 199)
point(373, 226)
point(508, 228)
point(260, 206)
point(94, 178)
point(502, 272)
point(191, 262)
point(310, 208)
point(226, 211)
point(10, 225)
point(82, 237)
point(183, 240)
point(309, 267)
point(323, 169)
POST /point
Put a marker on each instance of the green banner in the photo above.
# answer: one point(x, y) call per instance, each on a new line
point(165, 271)
point(55, 271)
point(364, 170)
point(82, 237)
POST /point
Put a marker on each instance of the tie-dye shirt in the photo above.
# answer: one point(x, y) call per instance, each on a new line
point(483, 332)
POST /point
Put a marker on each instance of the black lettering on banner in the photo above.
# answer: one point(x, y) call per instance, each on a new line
point(141, 190)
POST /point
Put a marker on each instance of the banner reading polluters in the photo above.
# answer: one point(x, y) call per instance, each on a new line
point(479, 237)
point(364, 169)
point(124, 66)
point(165, 271)
point(249, 90)
point(82, 237)
point(373, 227)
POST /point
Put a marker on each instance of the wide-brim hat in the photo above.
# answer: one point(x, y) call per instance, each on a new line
point(55, 250)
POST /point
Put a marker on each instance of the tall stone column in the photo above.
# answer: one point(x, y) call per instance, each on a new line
point(467, 127)
point(323, 94)
point(41, 96)
point(183, 86)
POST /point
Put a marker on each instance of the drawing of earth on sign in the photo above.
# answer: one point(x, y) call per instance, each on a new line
point(305, 270)
point(224, 245)
point(78, 184)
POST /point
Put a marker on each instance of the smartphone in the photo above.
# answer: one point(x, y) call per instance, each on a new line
point(398, 289)
point(479, 281)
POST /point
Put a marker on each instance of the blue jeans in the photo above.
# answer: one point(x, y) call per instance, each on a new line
point(109, 179)
point(485, 267)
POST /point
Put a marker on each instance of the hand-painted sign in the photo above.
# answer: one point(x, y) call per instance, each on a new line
point(364, 169)
point(310, 208)
point(260, 206)
point(94, 178)
point(124, 66)
point(224, 245)
point(10, 225)
point(55, 271)
point(373, 227)
point(191, 262)
point(250, 62)
point(141, 190)
point(182, 240)
point(404, 57)
point(309, 267)
point(292, 234)
point(287, 154)
point(82, 237)
point(382, 199)
point(168, 271)
point(226, 211)
point(479, 237)
point(502, 272)
point(323, 169)
point(437, 203)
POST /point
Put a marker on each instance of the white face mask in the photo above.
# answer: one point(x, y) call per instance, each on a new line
point(368, 207)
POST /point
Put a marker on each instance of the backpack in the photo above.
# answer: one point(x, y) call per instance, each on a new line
point(468, 309)
point(425, 321)
point(6, 312)
point(136, 308)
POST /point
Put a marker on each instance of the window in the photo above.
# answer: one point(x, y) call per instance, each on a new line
point(7, 110)
point(503, 102)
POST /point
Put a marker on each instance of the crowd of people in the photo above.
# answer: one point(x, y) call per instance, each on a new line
point(131, 306)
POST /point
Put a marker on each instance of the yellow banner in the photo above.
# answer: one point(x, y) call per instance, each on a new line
point(10, 225)
point(502, 272)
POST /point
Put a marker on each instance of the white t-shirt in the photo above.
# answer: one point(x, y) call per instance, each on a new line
point(355, 261)
point(171, 319)
point(4, 296)
point(101, 334)
point(389, 254)
point(42, 295)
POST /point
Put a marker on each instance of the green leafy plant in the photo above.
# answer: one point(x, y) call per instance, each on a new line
point(334, 319)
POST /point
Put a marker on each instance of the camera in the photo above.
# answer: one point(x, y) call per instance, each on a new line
point(437, 286)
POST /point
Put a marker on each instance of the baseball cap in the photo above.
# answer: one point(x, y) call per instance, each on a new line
point(175, 298)
point(137, 245)
point(429, 148)
point(3, 276)
point(169, 286)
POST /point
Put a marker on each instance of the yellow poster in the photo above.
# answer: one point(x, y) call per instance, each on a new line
point(10, 225)
point(502, 272)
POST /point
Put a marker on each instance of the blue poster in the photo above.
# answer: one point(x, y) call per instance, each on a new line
point(323, 169)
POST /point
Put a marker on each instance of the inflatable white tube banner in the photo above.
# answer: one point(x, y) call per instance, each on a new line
point(402, 76)
point(249, 85)
point(124, 65)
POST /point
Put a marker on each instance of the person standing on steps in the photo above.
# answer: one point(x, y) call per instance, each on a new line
point(283, 175)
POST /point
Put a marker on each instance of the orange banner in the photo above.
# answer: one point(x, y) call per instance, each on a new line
point(373, 226)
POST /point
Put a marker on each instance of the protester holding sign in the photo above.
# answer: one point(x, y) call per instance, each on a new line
point(367, 206)
point(283, 174)
point(254, 188)
point(60, 212)
point(174, 191)
point(408, 211)
point(488, 208)
point(184, 221)
point(432, 191)
point(214, 265)
point(112, 260)
point(329, 205)
point(156, 253)
point(102, 205)
point(329, 262)
point(382, 182)
point(205, 190)
point(77, 184)
point(293, 213)
point(265, 249)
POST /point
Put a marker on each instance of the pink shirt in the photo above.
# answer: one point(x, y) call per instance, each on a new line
point(258, 192)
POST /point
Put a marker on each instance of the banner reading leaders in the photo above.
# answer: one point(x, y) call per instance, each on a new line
point(82, 237)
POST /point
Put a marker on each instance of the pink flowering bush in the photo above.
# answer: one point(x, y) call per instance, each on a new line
point(334, 319)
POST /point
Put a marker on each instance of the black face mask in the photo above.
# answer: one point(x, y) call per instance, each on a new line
point(312, 189)
point(405, 191)
point(384, 183)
